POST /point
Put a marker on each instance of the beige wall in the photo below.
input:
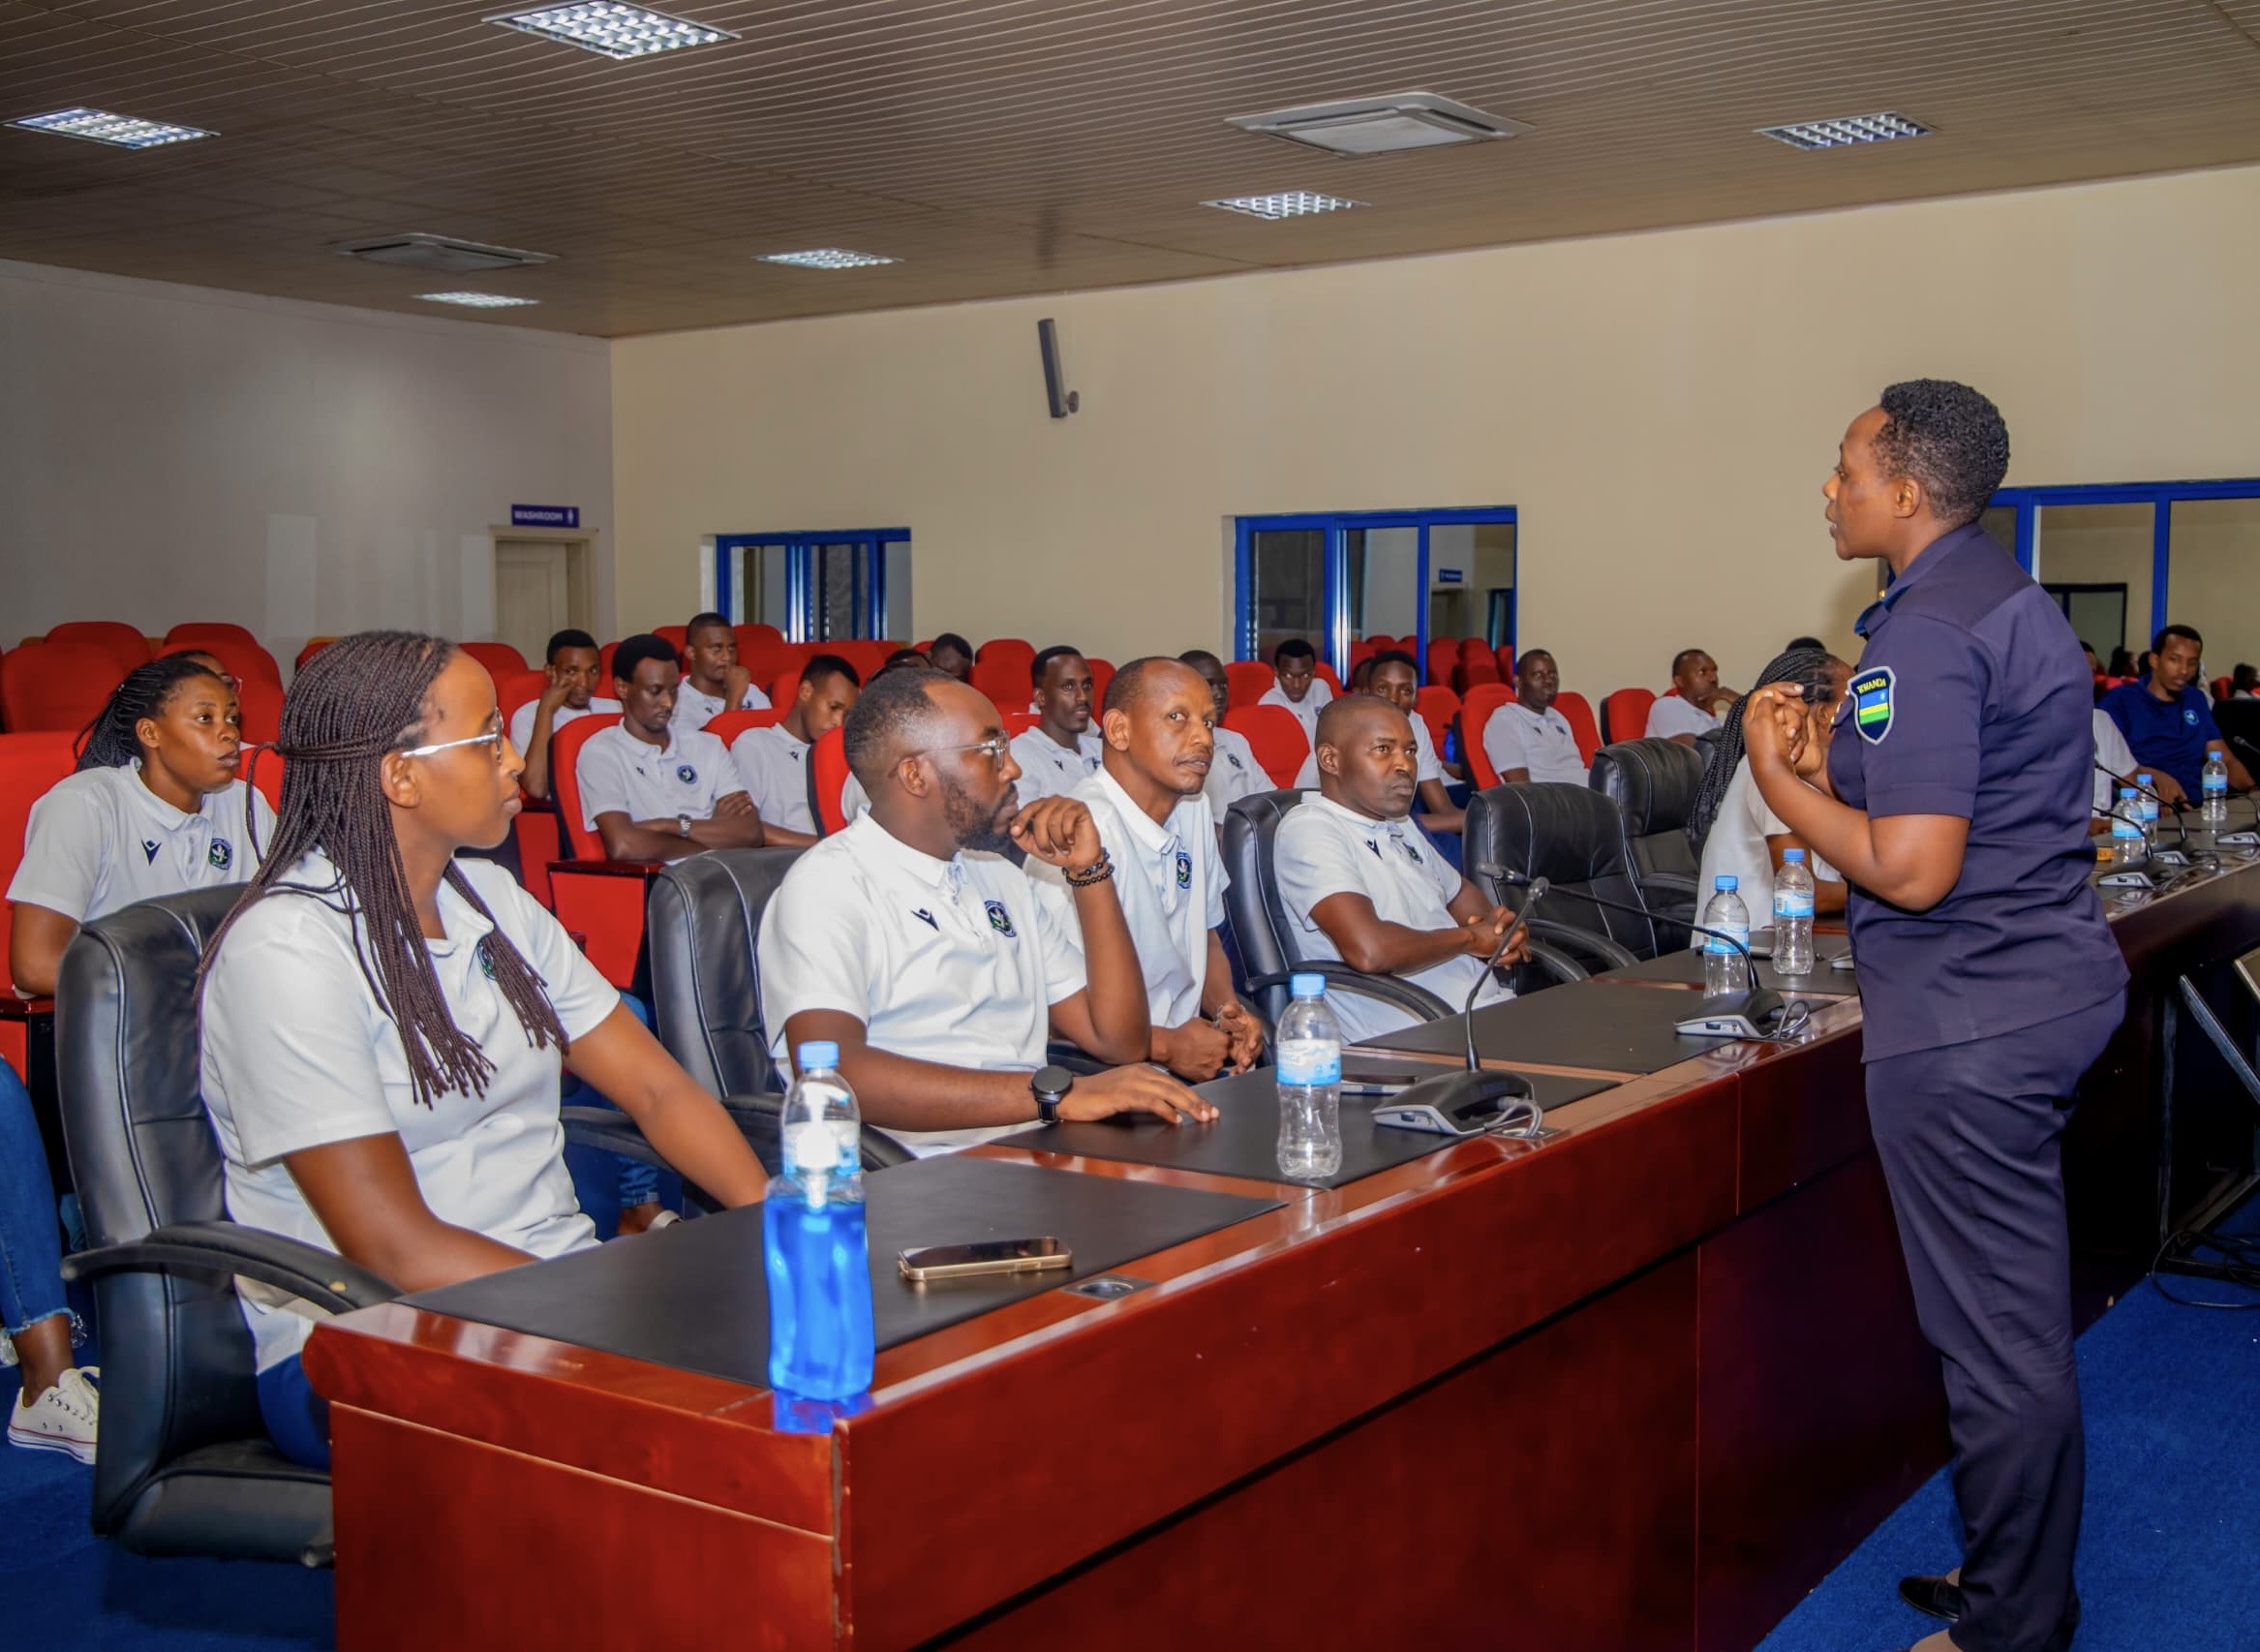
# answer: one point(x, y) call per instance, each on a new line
point(2214, 581)
point(1660, 408)
point(2102, 544)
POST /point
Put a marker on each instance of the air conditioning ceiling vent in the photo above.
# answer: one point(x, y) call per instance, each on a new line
point(443, 254)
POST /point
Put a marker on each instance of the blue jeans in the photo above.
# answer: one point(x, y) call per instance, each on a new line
point(297, 1419)
point(31, 1251)
point(606, 1183)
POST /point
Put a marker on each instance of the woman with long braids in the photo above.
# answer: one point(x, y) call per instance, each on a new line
point(1737, 833)
point(384, 1023)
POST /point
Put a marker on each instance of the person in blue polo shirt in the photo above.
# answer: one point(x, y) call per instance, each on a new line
point(1954, 801)
point(2167, 719)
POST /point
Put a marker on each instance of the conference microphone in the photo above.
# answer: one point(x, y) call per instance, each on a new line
point(1758, 1013)
point(2120, 781)
point(1473, 1100)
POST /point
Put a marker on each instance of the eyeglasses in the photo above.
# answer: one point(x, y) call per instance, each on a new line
point(995, 749)
point(493, 735)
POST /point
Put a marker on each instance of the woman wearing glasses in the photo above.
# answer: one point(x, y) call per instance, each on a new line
point(384, 1024)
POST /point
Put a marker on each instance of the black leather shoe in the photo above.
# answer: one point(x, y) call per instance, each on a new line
point(1934, 1596)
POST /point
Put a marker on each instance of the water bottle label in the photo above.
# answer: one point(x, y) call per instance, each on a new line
point(1789, 904)
point(1310, 1061)
point(1718, 943)
point(2121, 827)
point(2216, 783)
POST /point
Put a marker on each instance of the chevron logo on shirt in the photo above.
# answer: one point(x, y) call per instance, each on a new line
point(150, 847)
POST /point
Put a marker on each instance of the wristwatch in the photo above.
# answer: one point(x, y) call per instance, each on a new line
point(683, 824)
point(1049, 1086)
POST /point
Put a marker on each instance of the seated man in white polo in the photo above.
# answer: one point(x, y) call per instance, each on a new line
point(1527, 738)
point(655, 791)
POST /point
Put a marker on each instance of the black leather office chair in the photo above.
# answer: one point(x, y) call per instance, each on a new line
point(702, 928)
point(1653, 782)
point(1575, 839)
point(1268, 939)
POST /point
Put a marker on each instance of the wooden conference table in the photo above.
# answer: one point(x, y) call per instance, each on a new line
point(1639, 1386)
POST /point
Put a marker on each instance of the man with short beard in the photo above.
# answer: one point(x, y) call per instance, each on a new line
point(909, 942)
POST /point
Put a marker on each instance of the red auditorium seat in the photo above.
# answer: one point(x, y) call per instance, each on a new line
point(600, 900)
point(679, 635)
point(314, 645)
point(1275, 734)
point(1102, 672)
point(196, 634)
point(730, 724)
point(523, 688)
point(54, 686)
point(604, 669)
point(1475, 711)
point(1018, 723)
point(783, 688)
point(29, 764)
point(1324, 673)
point(828, 774)
point(1503, 656)
point(499, 659)
point(1005, 681)
point(246, 661)
point(125, 646)
point(1624, 715)
point(755, 636)
point(1002, 647)
point(1437, 706)
point(1442, 659)
point(1247, 680)
point(261, 705)
point(1575, 710)
point(2220, 685)
point(1473, 672)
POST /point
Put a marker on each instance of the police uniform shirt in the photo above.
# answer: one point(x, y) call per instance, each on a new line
point(1234, 773)
point(2111, 753)
point(1972, 699)
point(1306, 710)
point(1518, 738)
point(1671, 716)
point(522, 719)
point(1324, 849)
point(99, 839)
point(624, 774)
point(2168, 735)
point(297, 1052)
point(955, 962)
point(696, 708)
point(774, 765)
point(1049, 769)
point(1737, 847)
point(1425, 767)
point(1171, 881)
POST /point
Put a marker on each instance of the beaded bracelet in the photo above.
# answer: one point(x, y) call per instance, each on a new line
point(1098, 873)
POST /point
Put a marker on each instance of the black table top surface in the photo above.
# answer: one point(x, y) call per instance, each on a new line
point(1686, 965)
point(1600, 1025)
point(694, 1296)
point(1244, 1139)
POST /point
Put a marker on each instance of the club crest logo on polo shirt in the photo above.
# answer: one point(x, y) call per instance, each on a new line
point(1228, 758)
point(688, 774)
point(219, 854)
point(2189, 715)
point(1185, 870)
point(1871, 698)
point(150, 847)
point(486, 962)
point(1000, 919)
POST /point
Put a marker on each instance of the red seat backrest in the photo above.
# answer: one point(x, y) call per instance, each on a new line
point(1005, 680)
point(2221, 685)
point(604, 669)
point(499, 659)
point(1443, 655)
point(245, 661)
point(1580, 716)
point(1324, 673)
point(125, 646)
point(1475, 711)
point(679, 635)
point(54, 686)
point(1007, 648)
point(582, 843)
point(523, 688)
point(1504, 658)
point(784, 689)
point(196, 634)
point(29, 765)
point(727, 726)
point(261, 704)
point(314, 645)
point(1470, 647)
point(755, 636)
point(1275, 735)
point(1018, 723)
point(1437, 706)
point(1624, 715)
point(263, 769)
point(1473, 672)
point(1102, 672)
point(1247, 680)
point(827, 780)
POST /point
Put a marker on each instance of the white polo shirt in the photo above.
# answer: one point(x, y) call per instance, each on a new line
point(298, 1054)
point(2115, 754)
point(687, 776)
point(1234, 773)
point(696, 708)
point(100, 839)
point(1425, 767)
point(1306, 710)
point(1519, 738)
point(1171, 881)
point(1737, 847)
point(773, 763)
point(522, 719)
point(1325, 849)
point(1049, 769)
point(955, 962)
point(1671, 716)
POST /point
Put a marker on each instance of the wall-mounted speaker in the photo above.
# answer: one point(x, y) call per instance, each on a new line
point(1061, 399)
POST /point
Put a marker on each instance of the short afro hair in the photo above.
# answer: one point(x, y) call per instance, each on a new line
point(1393, 657)
point(1294, 648)
point(951, 640)
point(823, 665)
point(636, 649)
point(888, 720)
point(1686, 655)
point(565, 639)
point(1948, 438)
point(2168, 632)
point(703, 621)
point(1135, 681)
point(1038, 665)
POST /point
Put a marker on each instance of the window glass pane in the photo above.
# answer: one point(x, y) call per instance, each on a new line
point(1384, 581)
point(2213, 581)
point(837, 607)
point(896, 622)
point(1288, 568)
point(2099, 545)
point(757, 580)
point(1471, 582)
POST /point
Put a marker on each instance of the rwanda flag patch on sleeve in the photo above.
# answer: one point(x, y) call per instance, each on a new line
point(1871, 694)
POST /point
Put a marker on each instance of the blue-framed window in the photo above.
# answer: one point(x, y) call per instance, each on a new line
point(1337, 577)
point(816, 587)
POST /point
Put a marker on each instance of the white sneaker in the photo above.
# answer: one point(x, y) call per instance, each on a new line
point(7, 1352)
point(61, 1420)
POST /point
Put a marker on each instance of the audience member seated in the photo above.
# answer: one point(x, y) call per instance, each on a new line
point(1395, 677)
point(1362, 885)
point(716, 682)
point(2168, 719)
point(655, 791)
point(1698, 707)
point(1527, 738)
point(910, 941)
point(1234, 773)
point(1740, 835)
point(905, 657)
point(1298, 687)
point(2122, 663)
point(773, 761)
point(155, 808)
point(2111, 753)
point(1060, 752)
point(953, 656)
point(1158, 833)
point(59, 1408)
point(438, 1157)
point(575, 664)
point(2244, 683)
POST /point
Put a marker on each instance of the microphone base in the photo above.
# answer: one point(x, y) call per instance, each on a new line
point(1463, 1103)
point(1754, 1013)
point(2126, 879)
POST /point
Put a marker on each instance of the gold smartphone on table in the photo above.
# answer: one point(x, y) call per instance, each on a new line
point(925, 1263)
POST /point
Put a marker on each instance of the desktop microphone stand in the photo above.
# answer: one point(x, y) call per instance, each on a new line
point(1473, 1099)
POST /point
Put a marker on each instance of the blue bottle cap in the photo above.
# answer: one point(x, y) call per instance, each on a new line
point(1307, 986)
point(1797, 855)
point(2144, 779)
point(2126, 794)
point(1728, 880)
point(818, 1054)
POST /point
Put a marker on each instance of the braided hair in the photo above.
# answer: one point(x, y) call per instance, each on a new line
point(110, 742)
point(358, 700)
point(1809, 668)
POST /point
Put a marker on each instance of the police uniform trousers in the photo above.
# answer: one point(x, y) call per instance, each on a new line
point(1971, 1136)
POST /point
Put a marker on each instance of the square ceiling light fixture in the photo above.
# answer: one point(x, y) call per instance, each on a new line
point(827, 258)
point(612, 30)
point(1844, 130)
point(1285, 204)
point(1382, 126)
point(118, 131)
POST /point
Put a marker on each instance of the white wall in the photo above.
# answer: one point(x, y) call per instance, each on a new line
point(171, 453)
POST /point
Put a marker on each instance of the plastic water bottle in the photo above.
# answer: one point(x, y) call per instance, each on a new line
point(2212, 809)
point(1309, 1051)
point(2146, 799)
point(2130, 843)
point(1722, 970)
point(1793, 915)
point(814, 1243)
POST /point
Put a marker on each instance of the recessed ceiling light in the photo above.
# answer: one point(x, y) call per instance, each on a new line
point(1381, 126)
point(477, 300)
point(827, 258)
point(1846, 130)
point(1287, 203)
point(118, 131)
point(613, 30)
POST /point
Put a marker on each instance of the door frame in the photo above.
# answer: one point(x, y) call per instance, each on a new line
point(580, 567)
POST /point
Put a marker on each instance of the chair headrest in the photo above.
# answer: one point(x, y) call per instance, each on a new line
point(703, 928)
point(1653, 782)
